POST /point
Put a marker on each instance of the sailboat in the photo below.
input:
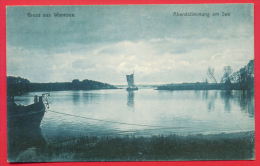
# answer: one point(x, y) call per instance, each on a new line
point(130, 82)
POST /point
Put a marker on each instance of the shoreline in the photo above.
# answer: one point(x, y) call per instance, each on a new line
point(235, 146)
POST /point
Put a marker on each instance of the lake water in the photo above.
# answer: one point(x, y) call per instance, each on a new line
point(145, 112)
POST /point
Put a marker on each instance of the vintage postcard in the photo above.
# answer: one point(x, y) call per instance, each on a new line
point(130, 82)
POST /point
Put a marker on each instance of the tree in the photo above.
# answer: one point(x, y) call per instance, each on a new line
point(227, 73)
point(76, 84)
point(250, 68)
point(75, 81)
point(211, 74)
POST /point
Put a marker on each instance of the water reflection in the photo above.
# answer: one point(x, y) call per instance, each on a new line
point(210, 98)
point(76, 97)
point(205, 95)
point(227, 96)
point(246, 102)
point(245, 99)
point(130, 99)
point(89, 98)
point(20, 139)
point(197, 111)
point(85, 97)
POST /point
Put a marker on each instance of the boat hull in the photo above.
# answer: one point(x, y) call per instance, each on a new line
point(25, 116)
point(24, 128)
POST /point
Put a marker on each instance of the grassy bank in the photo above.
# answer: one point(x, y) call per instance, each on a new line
point(130, 148)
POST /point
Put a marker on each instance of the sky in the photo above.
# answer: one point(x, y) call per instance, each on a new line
point(104, 43)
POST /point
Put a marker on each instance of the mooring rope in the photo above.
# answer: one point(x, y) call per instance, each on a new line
point(109, 121)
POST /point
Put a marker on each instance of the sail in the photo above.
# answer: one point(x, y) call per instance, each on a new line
point(130, 80)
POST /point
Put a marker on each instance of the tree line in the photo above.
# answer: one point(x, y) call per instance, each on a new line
point(243, 79)
point(18, 86)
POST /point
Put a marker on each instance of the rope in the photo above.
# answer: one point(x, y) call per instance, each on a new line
point(124, 123)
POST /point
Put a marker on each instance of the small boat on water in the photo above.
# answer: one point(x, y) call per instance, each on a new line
point(130, 82)
point(24, 129)
point(30, 116)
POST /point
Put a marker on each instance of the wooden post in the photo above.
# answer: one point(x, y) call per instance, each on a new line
point(35, 99)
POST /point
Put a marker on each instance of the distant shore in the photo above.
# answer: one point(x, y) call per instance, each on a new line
point(207, 86)
point(18, 86)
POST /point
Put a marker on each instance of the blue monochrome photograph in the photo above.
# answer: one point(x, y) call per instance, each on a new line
point(130, 82)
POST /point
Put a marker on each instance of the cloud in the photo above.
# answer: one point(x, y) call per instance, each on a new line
point(156, 60)
point(109, 24)
point(106, 42)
